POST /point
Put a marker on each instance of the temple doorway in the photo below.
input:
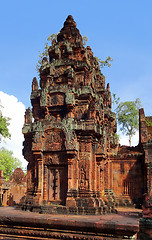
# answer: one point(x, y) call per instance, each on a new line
point(57, 184)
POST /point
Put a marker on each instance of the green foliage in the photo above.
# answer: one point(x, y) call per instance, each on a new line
point(45, 51)
point(117, 136)
point(148, 122)
point(4, 123)
point(85, 39)
point(115, 100)
point(52, 37)
point(128, 117)
point(8, 163)
point(104, 63)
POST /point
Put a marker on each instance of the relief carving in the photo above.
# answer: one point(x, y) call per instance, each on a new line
point(83, 180)
point(57, 99)
point(51, 159)
point(54, 140)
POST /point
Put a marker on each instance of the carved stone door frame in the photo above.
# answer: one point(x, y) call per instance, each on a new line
point(57, 184)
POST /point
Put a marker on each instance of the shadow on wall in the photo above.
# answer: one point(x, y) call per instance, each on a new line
point(134, 184)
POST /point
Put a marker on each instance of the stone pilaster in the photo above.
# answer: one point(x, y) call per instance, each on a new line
point(39, 192)
point(45, 184)
point(70, 201)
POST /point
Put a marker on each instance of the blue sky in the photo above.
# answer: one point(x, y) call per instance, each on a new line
point(116, 28)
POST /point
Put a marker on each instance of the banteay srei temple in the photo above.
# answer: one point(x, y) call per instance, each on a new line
point(75, 162)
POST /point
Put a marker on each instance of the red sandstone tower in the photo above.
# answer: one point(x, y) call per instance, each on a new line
point(70, 132)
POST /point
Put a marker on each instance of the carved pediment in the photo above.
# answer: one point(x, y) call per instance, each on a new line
point(54, 140)
point(54, 159)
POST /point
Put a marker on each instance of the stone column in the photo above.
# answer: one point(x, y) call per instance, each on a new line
point(57, 183)
point(30, 185)
point(40, 178)
point(108, 180)
point(102, 180)
point(70, 174)
point(111, 175)
point(75, 174)
point(98, 177)
point(70, 201)
point(105, 176)
point(94, 172)
point(45, 198)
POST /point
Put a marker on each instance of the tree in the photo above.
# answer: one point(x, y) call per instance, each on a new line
point(8, 163)
point(84, 39)
point(4, 127)
point(104, 63)
point(4, 123)
point(115, 100)
point(45, 51)
point(128, 117)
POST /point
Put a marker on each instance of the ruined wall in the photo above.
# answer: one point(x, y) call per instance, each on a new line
point(14, 189)
point(128, 174)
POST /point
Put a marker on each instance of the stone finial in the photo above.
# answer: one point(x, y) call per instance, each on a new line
point(18, 176)
point(141, 112)
point(89, 48)
point(70, 22)
point(108, 87)
point(70, 32)
point(28, 116)
point(34, 84)
point(143, 137)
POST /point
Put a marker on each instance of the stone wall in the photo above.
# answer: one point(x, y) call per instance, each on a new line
point(127, 176)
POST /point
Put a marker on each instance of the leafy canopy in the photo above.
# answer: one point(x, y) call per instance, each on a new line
point(8, 163)
point(84, 39)
point(128, 117)
point(115, 100)
point(4, 123)
point(104, 63)
point(4, 127)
